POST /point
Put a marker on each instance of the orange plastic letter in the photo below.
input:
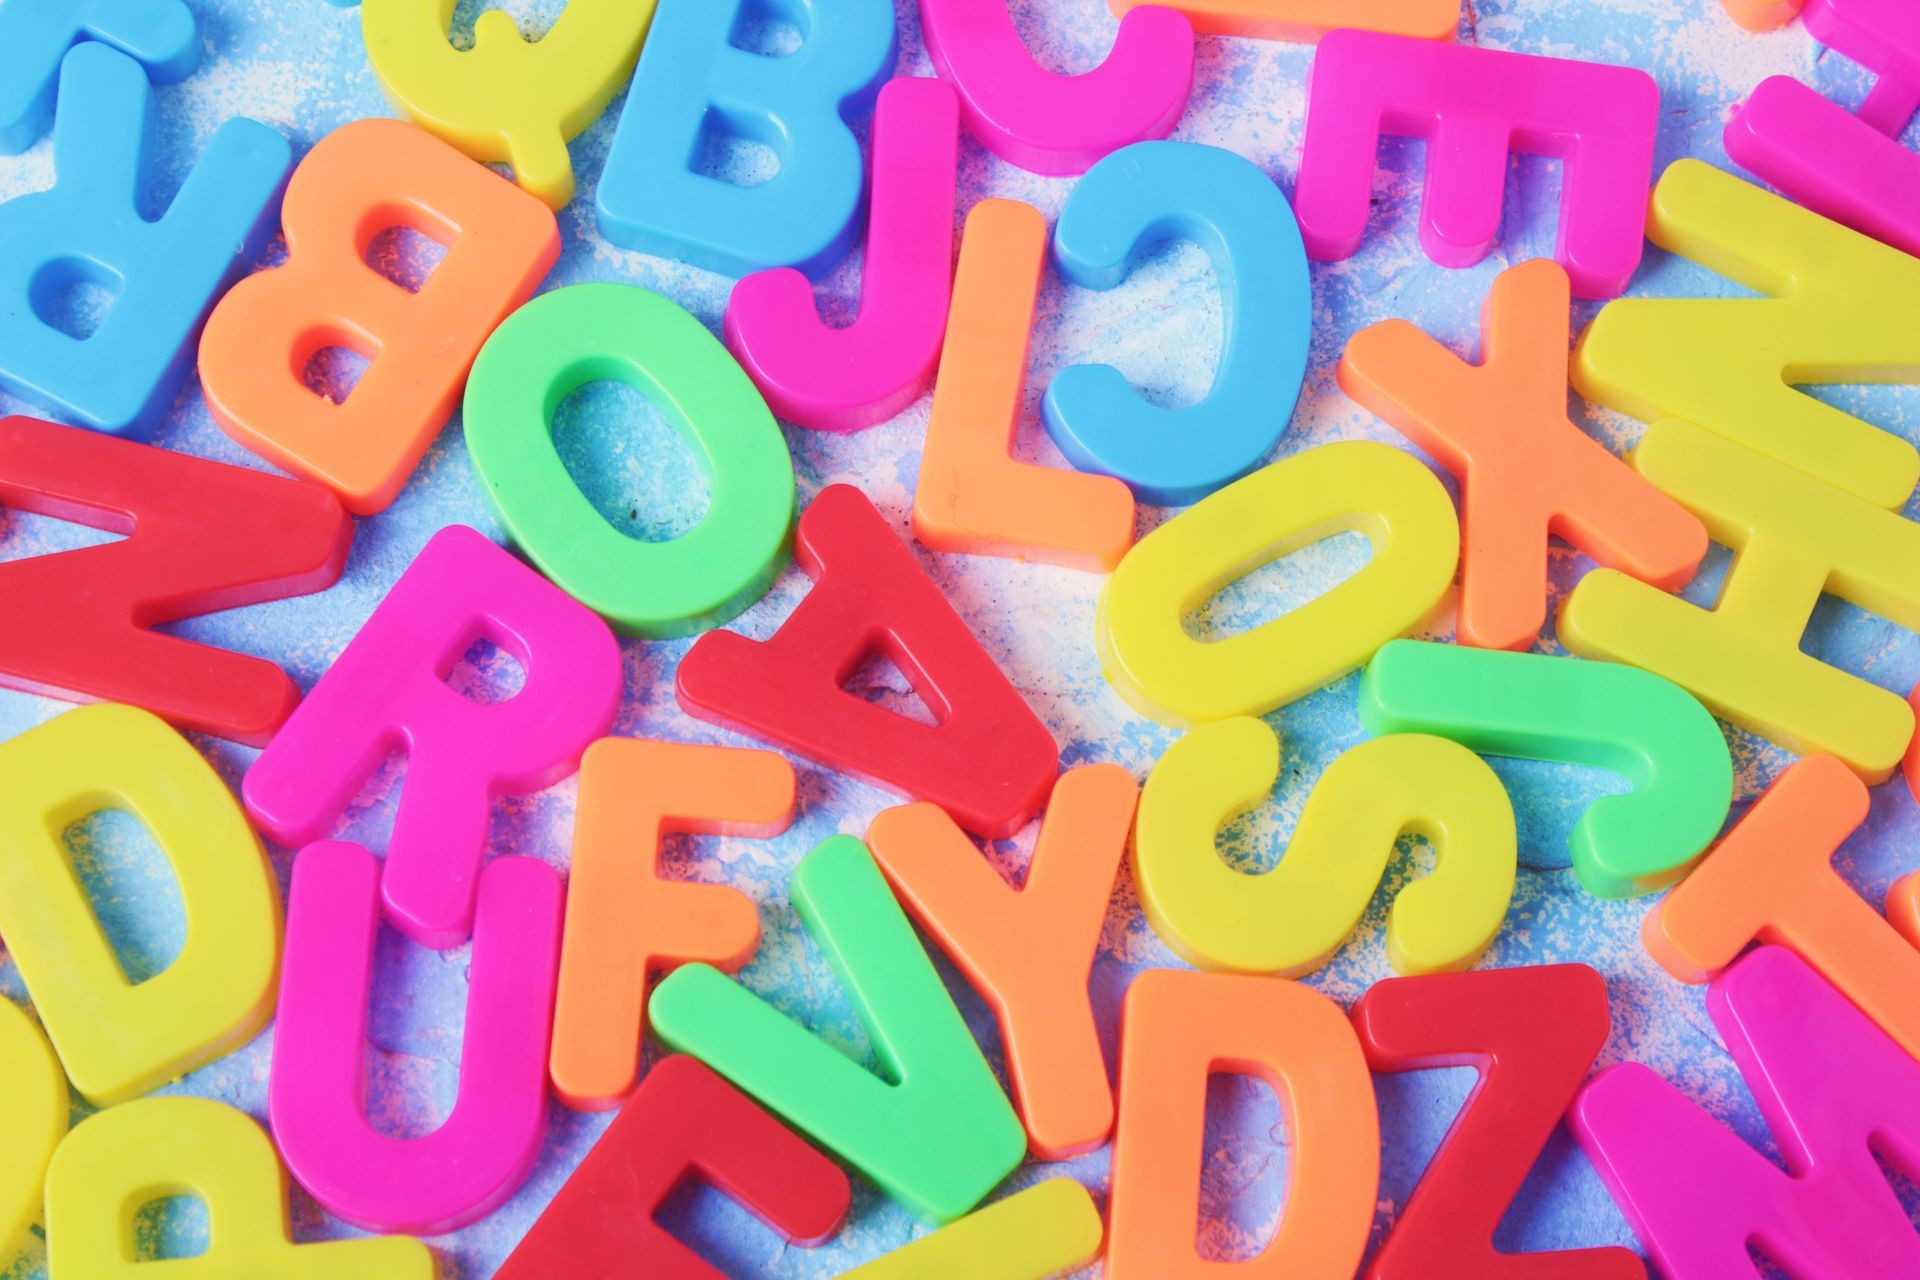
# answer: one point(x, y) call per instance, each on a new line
point(625, 920)
point(1305, 21)
point(1771, 880)
point(972, 495)
point(1027, 951)
point(1526, 470)
point(362, 179)
point(1178, 1028)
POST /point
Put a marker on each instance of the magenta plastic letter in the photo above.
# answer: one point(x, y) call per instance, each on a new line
point(388, 692)
point(470, 1165)
point(1845, 167)
point(1829, 1083)
point(845, 379)
point(1055, 124)
point(1474, 107)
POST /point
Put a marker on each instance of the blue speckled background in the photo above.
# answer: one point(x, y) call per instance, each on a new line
point(298, 65)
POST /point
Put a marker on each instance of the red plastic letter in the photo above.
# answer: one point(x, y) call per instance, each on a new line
point(683, 1120)
point(1533, 1034)
point(989, 762)
point(204, 536)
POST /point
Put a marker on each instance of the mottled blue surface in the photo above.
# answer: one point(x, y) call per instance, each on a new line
point(298, 65)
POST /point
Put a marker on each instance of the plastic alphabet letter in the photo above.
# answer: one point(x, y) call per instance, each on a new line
point(35, 35)
point(626, 921)
point(1526, 471)
point(989, 761)
point(1305, 21)
point(972, 496)
point(1794, 538)
point(203, 536)
point(1844, 166)
point(938, 1140)
point(89, 232)
point(570, 337)
point(1028, 952)
point(1532, 1035)
point(698, 92)
point(1127, 206)
point(1602, 714)
point(118, 1040)
point(1839, 307)
point(474, 1162)
point(1052, 124)
point(507, 99)
point(1176, 1029)
point(358, 181)
point(1762, 15)
point(126, 1157)
point(1354, 486)
point(1290, 920)
point(1701, 1200)
point(862, 374)
point(1473, 107)
point(1048, 1230)
point(1772, 880)
point(33, 1111)
point(388, 692)
point(684, 1122)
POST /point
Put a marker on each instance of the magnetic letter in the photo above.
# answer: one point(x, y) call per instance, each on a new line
point(1028, 952)
point(1526, 471)
point(90, 232)
point(1060, 124)
point(1772, 880)
point(1290, 920)
point(989, 761)
point(626, 922)
point(507, 99)
point(685, 1122)
point(1794, 538)
point(388, 692)
point(588, 332)
point(940, 1138)
point(1048, 1230)
point(1474, 107)
point(1762, 15)
point(1305, 21)
point(118, 1040)
point(33, 1111)
point(360, 180)
point(474, 1162)
point(1839, 307)
point(862, 374)
point(1632, 722)
point(1176, 1030)
point(972, 496)
point(1833, 1090)
point(1355, 486)
point(1531, 1035)
point(202, 536)
point(35, 35)
point(697, 92)
point(126, 1157)
point(1132, 203)
point(1847, 167)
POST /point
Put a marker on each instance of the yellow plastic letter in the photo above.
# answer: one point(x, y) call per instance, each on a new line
point(1290, 921)
point(1355, 486)
point(116, 1162)
point(507, 100)
point(1794, 538)
point(33, 1116)
point(117, 1040)
point(1842, 307)
point(1047, 1230)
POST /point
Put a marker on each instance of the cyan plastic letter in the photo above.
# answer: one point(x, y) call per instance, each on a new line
point(91, 230)
point(1130, 204)
point(36, 34)
point(700, 87)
